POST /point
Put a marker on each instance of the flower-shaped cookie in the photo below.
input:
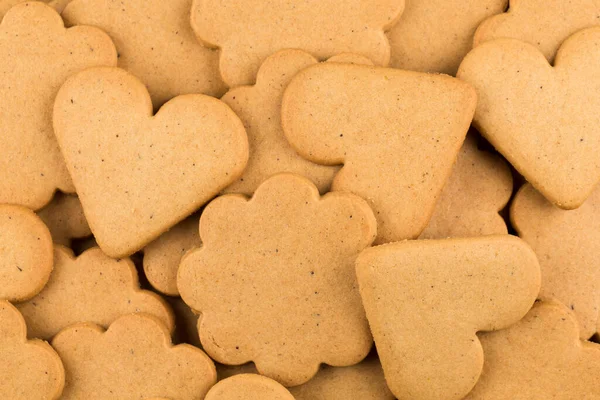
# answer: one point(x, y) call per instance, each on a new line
point(568, 246)
point(29, 369)
point(539, 358)
point(543, 119)
point(90, 288)
point(25, 253)
point(155, 43)
point(427, 299)
point(37, 55)
point(396, 132)
point(542, 23)
point(478, 188)
point(247, 32)
point(139, 174)
point(133, 359)
point(274, 281)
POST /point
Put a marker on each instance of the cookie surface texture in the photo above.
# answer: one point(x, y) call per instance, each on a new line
point(435, 35)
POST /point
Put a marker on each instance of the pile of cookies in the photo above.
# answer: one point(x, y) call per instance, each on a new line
point(299, 199)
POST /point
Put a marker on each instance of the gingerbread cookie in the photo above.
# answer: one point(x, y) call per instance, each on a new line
point(25, 253)
point(426, 300)
point(543, 119)
point(259, 107)
point(478, 188)
point(568, 246)
point(162, 256)
point(539, 357)
point(65, 220)
point(31, 165)
point(435, 35)
point(137, 175)
point(89, 288)
point(541, 23)
point(247, 33)
point(396, 132)
point(286, 245)
point(134, 358)
point(155, 43)
point(362, 381)
point(29, 369)
point(248, 387)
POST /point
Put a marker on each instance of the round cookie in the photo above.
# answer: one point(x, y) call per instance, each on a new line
point(26, 257)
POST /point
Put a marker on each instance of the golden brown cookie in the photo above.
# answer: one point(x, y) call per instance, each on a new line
point(541, 23)
point(396, 132)
point(133, 359)
point(259, 108)
point(139, 174)
point(427, 299)
point(539, 358)
point(29, 369)
point(435, 35)
point(248, 32)
point(248, 387)
point(31, 165)
point(479, 187)
point(89, 288)
point(64, 218)
point(567, 244)
point(362, 381)
point(543, 119)
point(155, 43)
point(162, 256)
point(25, 253)
point(285, 247)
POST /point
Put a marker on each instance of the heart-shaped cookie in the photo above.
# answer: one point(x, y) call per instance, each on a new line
point(137, 174)
point(544, 120)
point(426, 299)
